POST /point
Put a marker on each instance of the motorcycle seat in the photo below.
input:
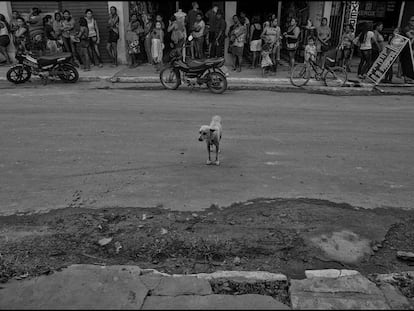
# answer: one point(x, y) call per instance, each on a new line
point(207, 62)
point(50, 59)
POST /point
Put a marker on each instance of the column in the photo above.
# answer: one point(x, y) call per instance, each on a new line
point(6, 10)
point(230, 9)
point(327, 8)
point(122, 8)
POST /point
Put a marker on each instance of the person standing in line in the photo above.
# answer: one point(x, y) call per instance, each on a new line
point(4, 38)
point(112, 45)
point(255, 40)
point(271, 35)
point(177, 29)
point(83, 36)
point(21, 36)
point(323, 34)
point(132, 38)
point(246, 23)
point(51, 38)
point(408, 32)
point(198, 34)
point(239, 34)
point(57, 28)
point(37, 39)
point(376, 49)
point(148, 27)
point(292, 35)
point(217, 48)
point(13, 22)
point(94, 38)
point(68, 31)
point(364, 40)
point(394, 40)
point(211, 17)
point(190, 21)
point(310, 55)
point(344, 50)
point(157, 45)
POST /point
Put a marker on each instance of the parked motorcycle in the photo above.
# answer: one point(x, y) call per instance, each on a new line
point(211, 72)
point(58, 65)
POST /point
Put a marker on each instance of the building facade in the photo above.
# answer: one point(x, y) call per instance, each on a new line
point(391, 13)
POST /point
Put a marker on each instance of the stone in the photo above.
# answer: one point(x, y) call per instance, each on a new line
point(104, 241)
point(182, 285)
point(326, 273)
point(395, 299)
point(151, 280)
point(347, 292)
point(409, 256)
point(243, 275)
point(237, 261)
point(78, 287)
point(214, 302)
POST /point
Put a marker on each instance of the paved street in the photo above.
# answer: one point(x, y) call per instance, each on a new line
point(64, 146)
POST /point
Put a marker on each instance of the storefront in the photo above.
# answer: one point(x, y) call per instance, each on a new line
point(77, 9)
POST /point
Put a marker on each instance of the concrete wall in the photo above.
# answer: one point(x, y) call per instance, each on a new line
point(230, 9)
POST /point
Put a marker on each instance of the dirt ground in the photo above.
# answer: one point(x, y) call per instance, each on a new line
point(276, 235)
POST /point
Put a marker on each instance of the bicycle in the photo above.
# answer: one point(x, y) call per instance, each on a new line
point(332, 76)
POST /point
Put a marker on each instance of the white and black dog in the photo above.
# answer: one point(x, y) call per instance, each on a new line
point(212, 135)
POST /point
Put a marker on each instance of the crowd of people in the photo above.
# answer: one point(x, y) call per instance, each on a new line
point(149, 38)
point(52, 34)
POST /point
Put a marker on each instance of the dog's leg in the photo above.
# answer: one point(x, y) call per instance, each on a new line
point(217, 152)
point(209, 155)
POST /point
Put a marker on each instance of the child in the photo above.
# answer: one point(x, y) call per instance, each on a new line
point(157, 45)
point(266, 60)
point(83, 36)
point(310, 54)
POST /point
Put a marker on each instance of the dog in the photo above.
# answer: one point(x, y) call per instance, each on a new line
point(211, 134)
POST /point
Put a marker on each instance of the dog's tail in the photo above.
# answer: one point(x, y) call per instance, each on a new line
point(216, 119)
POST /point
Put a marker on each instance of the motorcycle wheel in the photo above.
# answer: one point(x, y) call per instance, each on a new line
point(19, 74)
point(170, 78)
point(67, 73)
point(217, 82)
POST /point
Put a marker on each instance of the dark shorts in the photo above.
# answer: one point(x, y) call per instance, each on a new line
point(4, 41)
point(237, 51)
point(113, 37)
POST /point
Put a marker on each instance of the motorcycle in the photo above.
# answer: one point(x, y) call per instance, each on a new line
point(211, 72)
point(58, 65)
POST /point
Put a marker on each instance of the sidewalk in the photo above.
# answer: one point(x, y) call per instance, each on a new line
point(247, 79)
point(129, 287)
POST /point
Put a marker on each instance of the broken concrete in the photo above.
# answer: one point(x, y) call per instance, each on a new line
point(182, 285)
point(213, 302)
point(243, 276)
point(78, 287)
point(348, 292)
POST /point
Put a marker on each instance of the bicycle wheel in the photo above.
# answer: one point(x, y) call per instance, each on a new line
point(170, 78)
point(299, 75)
point(335, 76)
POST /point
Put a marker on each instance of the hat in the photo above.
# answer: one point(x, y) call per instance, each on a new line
point(180, 13)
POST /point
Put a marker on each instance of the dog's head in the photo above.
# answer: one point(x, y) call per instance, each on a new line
point(205, 132)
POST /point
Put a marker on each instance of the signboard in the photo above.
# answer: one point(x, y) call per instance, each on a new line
point(387, 58)
point(353, 14)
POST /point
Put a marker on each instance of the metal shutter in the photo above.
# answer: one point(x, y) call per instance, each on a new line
point(100, 13)
point(24, 7)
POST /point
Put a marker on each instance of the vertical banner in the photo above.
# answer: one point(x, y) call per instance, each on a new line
point(353, 14)
point(387, 58)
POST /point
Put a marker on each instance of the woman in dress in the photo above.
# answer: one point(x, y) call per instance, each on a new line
point(271, 35)
point(365, 40)
point(113, 26)
point(68, 32)
point(157, 45)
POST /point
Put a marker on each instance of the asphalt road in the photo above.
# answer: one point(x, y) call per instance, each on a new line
point(67, 146)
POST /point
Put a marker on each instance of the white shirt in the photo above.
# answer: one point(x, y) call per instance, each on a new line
point(91, 27)
point(366, 45)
